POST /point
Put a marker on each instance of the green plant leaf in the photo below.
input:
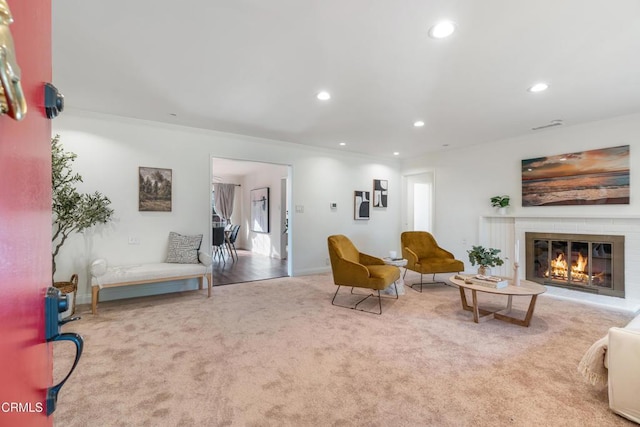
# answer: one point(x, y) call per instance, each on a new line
point(487, 257)
point(71, 211)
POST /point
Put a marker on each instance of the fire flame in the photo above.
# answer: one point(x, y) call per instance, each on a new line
point(560, 269)
point(579, 272)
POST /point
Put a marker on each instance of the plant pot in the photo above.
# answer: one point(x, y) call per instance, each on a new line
point(69, 288)
point(503, 211)
point(483, 270)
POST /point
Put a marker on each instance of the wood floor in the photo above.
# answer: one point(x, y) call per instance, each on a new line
point(248, 267)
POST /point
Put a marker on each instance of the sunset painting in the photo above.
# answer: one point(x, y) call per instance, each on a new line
point(594, 177)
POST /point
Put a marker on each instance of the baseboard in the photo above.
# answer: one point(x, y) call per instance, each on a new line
point(309, 271)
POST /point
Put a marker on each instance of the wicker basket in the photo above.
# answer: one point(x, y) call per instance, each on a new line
point(67, 288)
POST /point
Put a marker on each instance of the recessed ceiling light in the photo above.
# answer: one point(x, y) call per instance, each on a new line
point(396, 153)
point(323, 96)
point(418, 123)
point(342, 144)
point(538, 87)
point(442, 29)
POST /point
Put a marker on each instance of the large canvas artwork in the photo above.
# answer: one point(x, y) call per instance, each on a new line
point(592, 177)
point(260, 210)
point(154, 189)
point(362, 200)
point(380, 193)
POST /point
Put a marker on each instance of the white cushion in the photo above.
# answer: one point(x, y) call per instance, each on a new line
point(139, 272)
point(98, 267)
point(205, 259)
point(624, 372)
point(634, 324)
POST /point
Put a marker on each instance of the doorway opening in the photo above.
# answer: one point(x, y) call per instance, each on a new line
point(257, 253)
point(419, 197)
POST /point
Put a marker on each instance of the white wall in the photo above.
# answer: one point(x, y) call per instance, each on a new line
point(465, 179)
point(110, 150)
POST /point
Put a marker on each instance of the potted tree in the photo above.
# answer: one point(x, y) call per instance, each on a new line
point(485, 258)
point(72, 212)
point(500, 202)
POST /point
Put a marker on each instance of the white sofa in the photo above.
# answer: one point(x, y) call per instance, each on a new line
point(615, 360)
point(623, 362)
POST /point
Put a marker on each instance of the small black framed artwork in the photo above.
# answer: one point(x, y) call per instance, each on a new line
point(380, 193)
point(154, 189)
point(361, 204)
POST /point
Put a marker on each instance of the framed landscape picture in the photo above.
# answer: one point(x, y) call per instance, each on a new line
point(154, 189)
point(361, 201)
point(260, 210)
point(592, 177)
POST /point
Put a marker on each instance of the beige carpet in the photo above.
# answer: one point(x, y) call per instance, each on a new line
point(277, 353)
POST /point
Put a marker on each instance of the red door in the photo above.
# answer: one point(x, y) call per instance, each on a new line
point(25, 227)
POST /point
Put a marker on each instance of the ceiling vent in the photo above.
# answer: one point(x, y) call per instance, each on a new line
point(551, 124)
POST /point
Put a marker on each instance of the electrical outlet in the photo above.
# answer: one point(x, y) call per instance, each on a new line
point(326, 261)
point(134, 240)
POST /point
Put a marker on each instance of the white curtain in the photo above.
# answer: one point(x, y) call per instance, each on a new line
point(224, 194)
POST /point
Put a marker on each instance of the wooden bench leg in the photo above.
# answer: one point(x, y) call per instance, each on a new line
point(209, 284)
point(201, 282)
point(95, 294)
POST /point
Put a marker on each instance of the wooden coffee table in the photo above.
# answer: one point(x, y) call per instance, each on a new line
point(526, 288)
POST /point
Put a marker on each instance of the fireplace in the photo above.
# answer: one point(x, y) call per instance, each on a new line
point(585, 262)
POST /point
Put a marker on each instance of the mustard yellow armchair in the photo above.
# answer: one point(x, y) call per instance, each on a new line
point(357, 270)
point(424, 256)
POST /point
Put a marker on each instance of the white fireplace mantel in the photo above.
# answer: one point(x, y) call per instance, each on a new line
point(503, 231)
point(556, 216)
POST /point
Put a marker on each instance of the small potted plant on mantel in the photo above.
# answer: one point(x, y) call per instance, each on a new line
point(485, 258)
point(500, 202)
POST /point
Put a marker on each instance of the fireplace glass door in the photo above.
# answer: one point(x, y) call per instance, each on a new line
point(580, 263)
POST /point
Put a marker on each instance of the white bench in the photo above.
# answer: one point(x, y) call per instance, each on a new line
point(103, 276)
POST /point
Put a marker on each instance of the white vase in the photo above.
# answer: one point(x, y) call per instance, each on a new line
point(484, 271)
point(503, 211)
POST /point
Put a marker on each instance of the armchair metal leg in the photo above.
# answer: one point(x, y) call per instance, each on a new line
point(355, 307)
point(433, 282)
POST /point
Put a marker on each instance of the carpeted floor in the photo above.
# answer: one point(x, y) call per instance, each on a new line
point(277, 353)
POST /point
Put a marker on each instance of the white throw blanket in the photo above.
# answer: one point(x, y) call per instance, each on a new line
point(592, 364)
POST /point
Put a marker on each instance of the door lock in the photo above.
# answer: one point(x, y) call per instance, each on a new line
point(57, 303)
